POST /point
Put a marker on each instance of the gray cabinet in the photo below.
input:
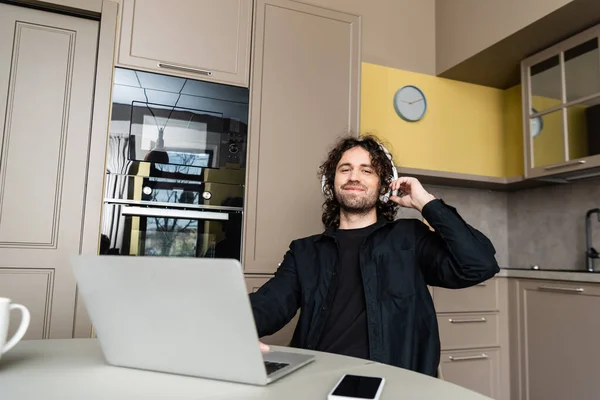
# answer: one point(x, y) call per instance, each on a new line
point(556, 331)
point(207, 39)
point(304, 95)
point(561, 108)
point(473, 324)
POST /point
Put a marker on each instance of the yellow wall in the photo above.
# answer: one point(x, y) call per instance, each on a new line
point(467, 129)
point(462, 131)
point(514, 159)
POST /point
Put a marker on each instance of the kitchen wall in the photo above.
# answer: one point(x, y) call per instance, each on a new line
point(395, 33)
point(546, 225)
point(485, 210)
point(483, 135)
point(543, 226)
point(462, 131)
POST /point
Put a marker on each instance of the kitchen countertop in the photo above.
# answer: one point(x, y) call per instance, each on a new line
point(548, 274)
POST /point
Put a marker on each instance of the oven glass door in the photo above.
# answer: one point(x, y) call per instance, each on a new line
point(151, 231)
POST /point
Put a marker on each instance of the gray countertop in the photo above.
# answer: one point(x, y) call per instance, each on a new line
point(548, 274)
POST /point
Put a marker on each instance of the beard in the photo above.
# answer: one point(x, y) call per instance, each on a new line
point(356, 202)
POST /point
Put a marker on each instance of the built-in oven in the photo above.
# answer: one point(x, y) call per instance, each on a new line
point(163, 217)
point(175, 169)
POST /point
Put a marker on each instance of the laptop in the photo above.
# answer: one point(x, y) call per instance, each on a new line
point(184, 316)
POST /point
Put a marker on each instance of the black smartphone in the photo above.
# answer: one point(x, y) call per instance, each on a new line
point(357, 387)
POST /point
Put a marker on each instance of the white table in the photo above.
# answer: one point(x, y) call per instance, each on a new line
point(75, 369)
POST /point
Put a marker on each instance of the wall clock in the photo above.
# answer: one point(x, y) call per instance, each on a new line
point(535, 124)
point(410, 103)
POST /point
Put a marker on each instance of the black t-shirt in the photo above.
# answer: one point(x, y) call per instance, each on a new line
point(345, 330)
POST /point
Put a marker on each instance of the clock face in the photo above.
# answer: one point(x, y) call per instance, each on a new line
point(536, 124)
point(410, 103)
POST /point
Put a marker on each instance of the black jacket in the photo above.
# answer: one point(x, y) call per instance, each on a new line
point(398, 260)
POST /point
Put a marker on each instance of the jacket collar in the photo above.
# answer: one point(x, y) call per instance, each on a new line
point(331, 231)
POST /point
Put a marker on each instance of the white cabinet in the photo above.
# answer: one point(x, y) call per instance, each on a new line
point(198, 39)
point(478, 370)
point(47, 71)
point(557, 351)
point(561, 108)
point(305, 94)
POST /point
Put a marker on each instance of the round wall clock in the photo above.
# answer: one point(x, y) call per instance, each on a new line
point(535, 124)
point(410, 103)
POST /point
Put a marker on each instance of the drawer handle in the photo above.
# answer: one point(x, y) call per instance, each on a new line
point(465, 321)
point(186, 69)
point(482, 356)
point(561, 289)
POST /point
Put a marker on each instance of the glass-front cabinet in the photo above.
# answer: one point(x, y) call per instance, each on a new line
point(561, 108)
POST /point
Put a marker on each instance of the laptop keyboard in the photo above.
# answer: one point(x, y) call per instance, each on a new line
point(273, 366)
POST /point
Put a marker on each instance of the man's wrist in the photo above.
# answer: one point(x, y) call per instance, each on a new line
point(420, 203)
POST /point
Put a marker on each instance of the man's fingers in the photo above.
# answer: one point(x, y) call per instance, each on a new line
point(402, 181)
point(401, 201)
point(263, 347)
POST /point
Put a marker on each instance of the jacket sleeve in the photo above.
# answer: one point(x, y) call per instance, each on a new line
point(278, 300)
point(455, 255)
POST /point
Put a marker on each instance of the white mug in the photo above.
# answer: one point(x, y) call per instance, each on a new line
point(6, 306)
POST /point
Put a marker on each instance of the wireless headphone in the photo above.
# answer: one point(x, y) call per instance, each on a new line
point(386, 196)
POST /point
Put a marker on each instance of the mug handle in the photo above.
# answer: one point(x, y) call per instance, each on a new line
point(25, 317)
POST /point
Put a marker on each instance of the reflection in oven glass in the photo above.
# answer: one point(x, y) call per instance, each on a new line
point(172, 237)
point(181, 237)
point(168, 193)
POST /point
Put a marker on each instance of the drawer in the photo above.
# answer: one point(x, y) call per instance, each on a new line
point(481, 297)
point(477, 370)
point(465, 331)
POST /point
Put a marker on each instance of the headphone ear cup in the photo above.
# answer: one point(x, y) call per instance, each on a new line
point(384, 198)
point(394, 177)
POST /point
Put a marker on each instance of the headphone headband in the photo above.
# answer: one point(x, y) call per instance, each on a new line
point(386, 196)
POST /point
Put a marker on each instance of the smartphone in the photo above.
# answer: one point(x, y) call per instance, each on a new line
point(357, 387)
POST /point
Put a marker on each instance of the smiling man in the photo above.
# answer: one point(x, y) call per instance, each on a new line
point(361, 285)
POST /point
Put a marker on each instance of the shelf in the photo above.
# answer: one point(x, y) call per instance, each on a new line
point(444, 178)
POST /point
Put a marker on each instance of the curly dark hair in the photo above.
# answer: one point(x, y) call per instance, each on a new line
point(382, 165)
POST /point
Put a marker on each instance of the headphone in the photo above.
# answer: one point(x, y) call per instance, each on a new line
point(386, 196)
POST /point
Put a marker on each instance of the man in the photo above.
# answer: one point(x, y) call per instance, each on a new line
point(362, 284)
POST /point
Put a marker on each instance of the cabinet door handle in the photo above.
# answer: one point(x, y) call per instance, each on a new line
point(185, 69)
point(481, 356)
point(578, 162)
point(467, 320)
point(561, 289)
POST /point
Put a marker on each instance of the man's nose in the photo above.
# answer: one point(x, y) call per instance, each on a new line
point(354, 176)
